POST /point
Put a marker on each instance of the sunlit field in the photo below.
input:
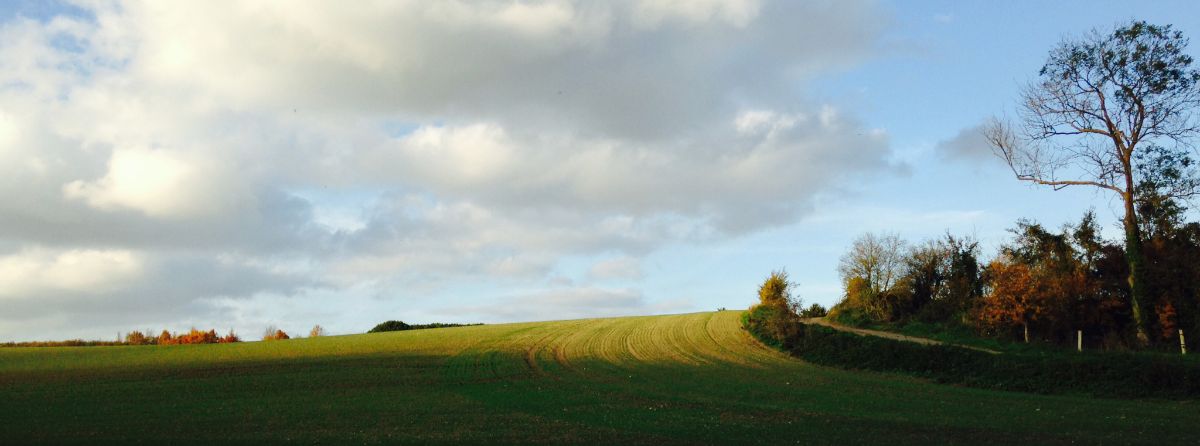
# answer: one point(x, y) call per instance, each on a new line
point(680, 379)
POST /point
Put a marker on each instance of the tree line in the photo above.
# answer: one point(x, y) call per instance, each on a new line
point(1043, 284)
point(1114, 110)
point(192, 336)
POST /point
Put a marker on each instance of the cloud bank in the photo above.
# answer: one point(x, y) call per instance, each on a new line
point(164, 163)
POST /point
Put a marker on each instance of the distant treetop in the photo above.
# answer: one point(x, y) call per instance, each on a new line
point(401, 326)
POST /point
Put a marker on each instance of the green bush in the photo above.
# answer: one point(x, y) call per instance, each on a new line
point(814, 310)
point(850, 315)
point(390, 326)
point(1103, 374)
point(401, 326)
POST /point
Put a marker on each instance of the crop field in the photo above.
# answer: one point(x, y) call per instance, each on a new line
point(679, 379)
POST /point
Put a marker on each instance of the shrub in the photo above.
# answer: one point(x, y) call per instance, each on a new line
point(776, 310)
point(275, 334)
point(390, 326)
point(401, 326)
point(317, 331)
point(229, 338)
point(814, 310)
point(137, 338)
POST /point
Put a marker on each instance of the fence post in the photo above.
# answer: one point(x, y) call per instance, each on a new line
point(1182, 344)
point(1079, 342)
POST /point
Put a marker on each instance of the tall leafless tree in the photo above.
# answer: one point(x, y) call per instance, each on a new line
point(876, 258)
point(1097, 104)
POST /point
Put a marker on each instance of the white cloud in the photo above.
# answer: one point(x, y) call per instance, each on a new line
point(158, 183)
point(8, 131)
point(87, 271)
point(540, 20)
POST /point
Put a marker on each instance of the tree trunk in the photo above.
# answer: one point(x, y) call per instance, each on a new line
point(1026, 332)
point(1133, 255)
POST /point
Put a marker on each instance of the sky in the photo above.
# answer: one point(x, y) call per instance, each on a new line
point(238, 165)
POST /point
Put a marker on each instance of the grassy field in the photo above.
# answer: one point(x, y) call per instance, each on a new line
point(681, 379)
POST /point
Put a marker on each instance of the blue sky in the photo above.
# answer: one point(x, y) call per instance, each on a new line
point(248, 164)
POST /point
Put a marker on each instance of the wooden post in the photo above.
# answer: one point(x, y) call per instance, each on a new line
point(1079, 343)
point(1182, 344)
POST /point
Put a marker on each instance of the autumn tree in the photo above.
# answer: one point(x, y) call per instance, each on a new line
point(778, 306)
point(274, 334)
point(1015, 299)
point(1030, 296)
point(1097, 104)
point(137, 338)
point(230, 338)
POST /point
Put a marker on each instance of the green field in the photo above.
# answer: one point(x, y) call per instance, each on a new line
point(681, 379)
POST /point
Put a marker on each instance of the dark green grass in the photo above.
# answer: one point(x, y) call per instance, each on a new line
point(685, 379)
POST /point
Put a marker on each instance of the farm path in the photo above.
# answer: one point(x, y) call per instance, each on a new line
point(887, 334)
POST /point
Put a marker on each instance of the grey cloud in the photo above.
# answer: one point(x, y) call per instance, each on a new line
point(968, 145)
point(172, 290)
point(569, 303)
point(599, 73)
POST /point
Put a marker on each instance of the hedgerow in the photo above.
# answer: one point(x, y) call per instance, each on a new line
point(1102, 374)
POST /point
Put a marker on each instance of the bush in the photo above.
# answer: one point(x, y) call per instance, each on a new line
point(230, 338)
point(850, 316)
point(137, 338)
point(1120, 375)
point(317, 331)
point(275, 334)
point(401, 326)
point(193, 336)
point(814, 310)
point(390, 326)
point(777, 307)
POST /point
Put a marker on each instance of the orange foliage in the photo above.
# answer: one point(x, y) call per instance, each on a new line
point(1166, 319)
point(278, 335)
point(137, 338)
point(1023, 296)
point(229, 338)
point(193, 336)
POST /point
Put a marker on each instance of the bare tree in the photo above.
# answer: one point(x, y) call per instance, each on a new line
point(878, 259)
point(1097, 104)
